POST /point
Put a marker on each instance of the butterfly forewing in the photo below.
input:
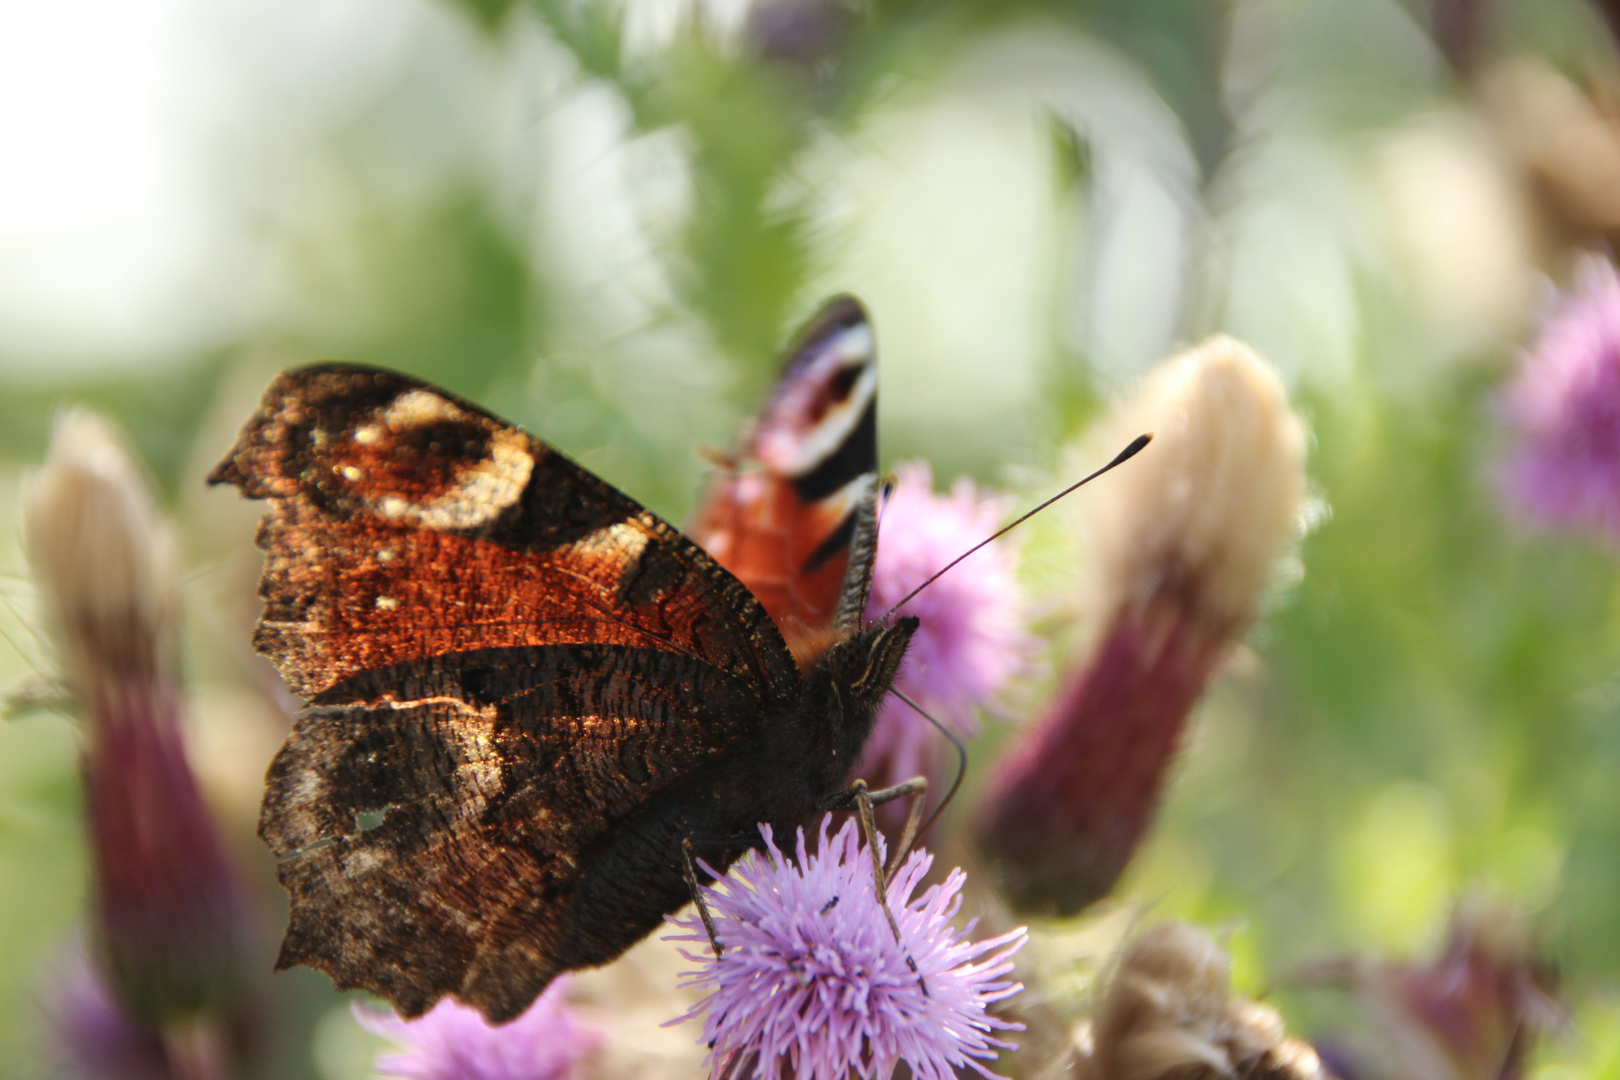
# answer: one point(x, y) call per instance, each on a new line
point(406, 523)
point(790, 513)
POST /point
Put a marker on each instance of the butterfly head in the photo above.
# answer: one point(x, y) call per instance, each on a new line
point(864, 664)
point(843, 693)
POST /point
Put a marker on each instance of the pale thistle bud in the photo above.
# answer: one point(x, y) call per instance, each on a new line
point(167, 926)
point(1183, 541)
point(103, 561)
point(1169, 1013)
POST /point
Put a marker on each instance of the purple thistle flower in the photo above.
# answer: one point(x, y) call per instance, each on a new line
point(1564, 406)
point(454, 1042)
point(972, 639)
point(812, 976)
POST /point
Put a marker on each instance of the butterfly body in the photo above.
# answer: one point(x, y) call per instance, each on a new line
point(526, 691)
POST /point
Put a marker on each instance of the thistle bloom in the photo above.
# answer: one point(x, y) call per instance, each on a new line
point(1564, 406)
point(1183, 540)
point(453, 1042)
point(812, 976)
point(167, 924)
point(1169, 1014)
point(972, 639)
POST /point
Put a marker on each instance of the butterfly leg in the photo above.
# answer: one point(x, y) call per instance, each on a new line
point(865, 801)
point(915, 789)
point(689, 868)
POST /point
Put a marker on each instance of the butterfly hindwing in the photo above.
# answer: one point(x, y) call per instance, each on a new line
point(791, 512)
point(450, 833)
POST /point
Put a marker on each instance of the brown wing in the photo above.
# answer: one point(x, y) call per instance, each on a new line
point(406, 523)
point(440, 833)
point(791, 514)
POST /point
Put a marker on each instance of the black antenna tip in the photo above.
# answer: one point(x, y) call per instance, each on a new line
point(1131, 450)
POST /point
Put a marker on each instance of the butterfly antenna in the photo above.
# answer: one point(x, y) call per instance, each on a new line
point(1119, 459)
point(961, 762)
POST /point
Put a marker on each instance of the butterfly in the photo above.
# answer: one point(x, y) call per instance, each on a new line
point(526, 692)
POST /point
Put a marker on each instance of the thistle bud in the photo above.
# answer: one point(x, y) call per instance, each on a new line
point(1169, 1012)
point(167, 925)
point(1475, 1012)
point(1183, 540)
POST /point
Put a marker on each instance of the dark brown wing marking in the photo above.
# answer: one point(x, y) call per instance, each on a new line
point(499, 775)
point(406, 523)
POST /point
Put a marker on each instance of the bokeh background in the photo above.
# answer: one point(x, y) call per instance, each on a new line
point(601, 221)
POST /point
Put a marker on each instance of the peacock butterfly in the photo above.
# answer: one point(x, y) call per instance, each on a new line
point(525, 690)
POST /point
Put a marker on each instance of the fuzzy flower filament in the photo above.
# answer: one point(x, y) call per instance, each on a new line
point(811, 975)
point(1169, 1013)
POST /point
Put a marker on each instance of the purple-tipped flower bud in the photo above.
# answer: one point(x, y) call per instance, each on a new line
point(92, 1036)
point(1475, 1012)
point(167, 923)
point(1184, 538)
point(1169, 1014)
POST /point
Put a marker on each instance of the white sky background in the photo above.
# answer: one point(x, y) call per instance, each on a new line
point(138, 143)
point(87, 182)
